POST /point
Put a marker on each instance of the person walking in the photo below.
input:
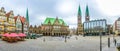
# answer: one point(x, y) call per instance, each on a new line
point(115, 41)
point(76, 38)
point(44, 39)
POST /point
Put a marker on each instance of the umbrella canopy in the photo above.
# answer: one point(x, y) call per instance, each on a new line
point(6, 34)
point(12, 35)
point(21, 35)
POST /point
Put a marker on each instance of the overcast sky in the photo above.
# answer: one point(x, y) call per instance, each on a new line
point(64, 9)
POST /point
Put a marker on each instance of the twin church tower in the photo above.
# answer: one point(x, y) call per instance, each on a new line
point(79, 17)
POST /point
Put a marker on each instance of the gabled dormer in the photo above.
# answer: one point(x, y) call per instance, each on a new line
point(49, 23)
point(56, 21)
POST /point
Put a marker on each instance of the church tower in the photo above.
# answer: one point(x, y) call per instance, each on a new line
point(27, 20)
point(87, 16)
point(79, 24)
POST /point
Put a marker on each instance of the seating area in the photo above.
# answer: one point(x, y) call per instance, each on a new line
point(13, 37)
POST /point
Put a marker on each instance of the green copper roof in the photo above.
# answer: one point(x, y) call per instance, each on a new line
point(79, 11)
point(27, 16)
point(52, 20)
point(87, 11)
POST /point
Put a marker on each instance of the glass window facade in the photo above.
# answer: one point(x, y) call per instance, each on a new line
point(95, 26)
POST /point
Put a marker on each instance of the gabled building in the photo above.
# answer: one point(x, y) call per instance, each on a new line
point(31, 29)
point(54, 27)
point(3, 21)
point(18, 24)
point(11, 22)
point(25, 26)
point(35, 29)
point(39, 30)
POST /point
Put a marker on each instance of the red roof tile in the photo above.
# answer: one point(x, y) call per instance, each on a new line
point(22, 19)
point(15, 18)
point(8, 14)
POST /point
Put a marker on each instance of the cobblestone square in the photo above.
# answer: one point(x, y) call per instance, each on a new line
point(88, 43)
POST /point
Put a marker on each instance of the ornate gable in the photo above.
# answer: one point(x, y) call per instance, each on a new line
point(2, 11)
point(18, 20)
point(57, 21)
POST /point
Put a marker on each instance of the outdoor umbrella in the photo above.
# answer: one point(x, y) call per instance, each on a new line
point(21, 35)
point(6, 34)
point(13, 35)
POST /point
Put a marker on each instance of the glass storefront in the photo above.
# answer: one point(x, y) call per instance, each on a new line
point(94, 27)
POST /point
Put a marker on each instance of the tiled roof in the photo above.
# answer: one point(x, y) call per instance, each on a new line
point(22, 19)
point(8, 14)
point(15, 18)
point(52, 20)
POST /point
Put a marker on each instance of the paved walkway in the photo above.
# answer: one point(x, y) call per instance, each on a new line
point(88, 43)
point(112, 46)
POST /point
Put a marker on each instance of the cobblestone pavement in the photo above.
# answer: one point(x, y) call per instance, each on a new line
point(88, 43)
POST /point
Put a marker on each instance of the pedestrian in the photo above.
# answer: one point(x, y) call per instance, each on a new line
point(65, 38)
point(44, 39)
point(115, 41)
point(76, 38)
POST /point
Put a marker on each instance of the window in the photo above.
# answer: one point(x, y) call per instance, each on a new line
point(0, 28)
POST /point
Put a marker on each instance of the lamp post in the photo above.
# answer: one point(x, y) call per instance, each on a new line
point(109, 37)
point(100, 41)
point(108, 40)
point(101, 31)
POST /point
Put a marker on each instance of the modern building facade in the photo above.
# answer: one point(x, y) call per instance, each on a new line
point(54, 27)
point(94, 27)
point(79, 24)
point(116, 27)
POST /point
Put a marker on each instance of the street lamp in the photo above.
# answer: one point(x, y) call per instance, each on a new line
point(100, 41)
point(100, 32)
point(109, 39)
